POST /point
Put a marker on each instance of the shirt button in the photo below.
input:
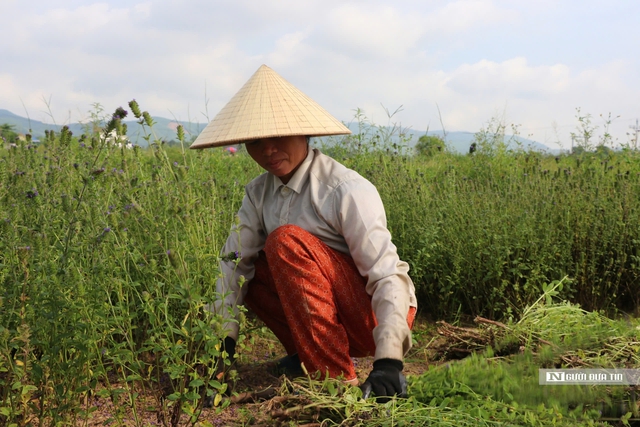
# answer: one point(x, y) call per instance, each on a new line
point(283, 222)
point(286, 191)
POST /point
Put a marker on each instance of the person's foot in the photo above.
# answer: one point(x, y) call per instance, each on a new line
point(290, 366)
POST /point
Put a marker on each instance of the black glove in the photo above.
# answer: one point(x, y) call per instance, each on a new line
point(228, 346)
point(385, 380)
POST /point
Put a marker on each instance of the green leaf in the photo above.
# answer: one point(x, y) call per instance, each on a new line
point(332, 389)
point(28, 389)
point(174, 396)
point(191, 396)
point(215, 384)
point(196, 383)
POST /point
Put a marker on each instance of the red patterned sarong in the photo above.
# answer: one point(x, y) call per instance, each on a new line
point(314, 300)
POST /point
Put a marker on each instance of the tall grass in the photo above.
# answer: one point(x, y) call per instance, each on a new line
point(484, 232)
point(108, 256)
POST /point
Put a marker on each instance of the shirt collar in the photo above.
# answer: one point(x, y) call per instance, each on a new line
point(298, 179)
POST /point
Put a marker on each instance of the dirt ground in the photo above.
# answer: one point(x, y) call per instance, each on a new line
point(253, 374)
point(257, 355)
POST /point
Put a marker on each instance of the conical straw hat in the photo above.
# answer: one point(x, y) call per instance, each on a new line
point(267, 106)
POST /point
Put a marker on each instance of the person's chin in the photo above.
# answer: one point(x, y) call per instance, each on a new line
point(279, 171)
point(280, 174)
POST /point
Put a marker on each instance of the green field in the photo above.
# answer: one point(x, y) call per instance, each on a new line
point(108, 257)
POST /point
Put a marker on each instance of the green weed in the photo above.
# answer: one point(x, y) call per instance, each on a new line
point(109, 255)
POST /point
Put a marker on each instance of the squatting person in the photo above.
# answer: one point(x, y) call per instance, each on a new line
point(314, 250)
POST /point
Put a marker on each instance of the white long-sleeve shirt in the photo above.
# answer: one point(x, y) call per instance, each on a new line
point(345, 211)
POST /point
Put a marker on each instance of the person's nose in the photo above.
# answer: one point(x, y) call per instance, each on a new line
point(269, 148)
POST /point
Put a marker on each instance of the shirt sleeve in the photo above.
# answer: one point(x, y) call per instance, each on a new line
point(362, 221)
point(246, 239)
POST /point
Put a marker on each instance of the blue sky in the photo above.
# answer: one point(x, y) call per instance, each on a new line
point(460, 64)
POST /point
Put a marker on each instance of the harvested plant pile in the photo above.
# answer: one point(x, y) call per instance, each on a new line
point(497, 384)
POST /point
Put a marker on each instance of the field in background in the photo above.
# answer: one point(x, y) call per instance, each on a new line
point(108, 255)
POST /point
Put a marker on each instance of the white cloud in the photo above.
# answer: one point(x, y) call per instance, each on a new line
point(367, 31)
point(467, 15)
point(473, 58)
point(513, 77)
point(535, 97)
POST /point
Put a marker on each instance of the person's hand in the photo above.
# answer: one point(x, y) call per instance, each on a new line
point(228, 346)
point(385, 380)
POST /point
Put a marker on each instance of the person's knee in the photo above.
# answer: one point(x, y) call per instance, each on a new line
point(283, 236)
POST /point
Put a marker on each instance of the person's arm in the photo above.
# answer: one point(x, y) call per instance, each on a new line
point(363, 224)
point(245, 240)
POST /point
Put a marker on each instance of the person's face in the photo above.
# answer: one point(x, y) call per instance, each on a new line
point(280, 156)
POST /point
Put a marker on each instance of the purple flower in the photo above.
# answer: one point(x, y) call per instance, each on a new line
point(32, 193)
point(231, 256)
point(120, 113)
point(107, 229)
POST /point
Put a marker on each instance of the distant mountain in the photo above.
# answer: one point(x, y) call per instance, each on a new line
point(165, 130)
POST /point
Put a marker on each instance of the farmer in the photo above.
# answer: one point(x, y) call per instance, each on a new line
point(310, 254)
